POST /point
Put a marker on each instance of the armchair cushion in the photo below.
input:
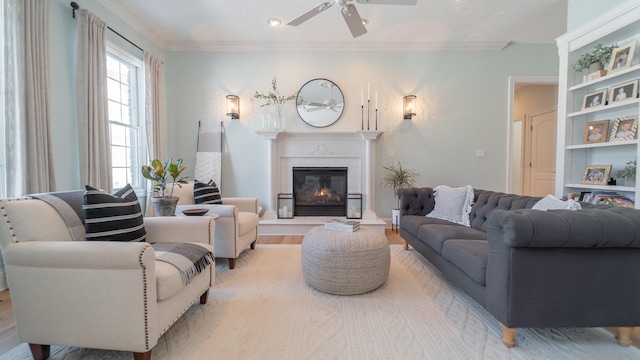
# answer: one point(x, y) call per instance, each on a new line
point(169, 281)
point(206, 193)
point(115, 217)
point(247, 222)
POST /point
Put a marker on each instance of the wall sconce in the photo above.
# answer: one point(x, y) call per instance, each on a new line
point(409, 106)
point(233, 106)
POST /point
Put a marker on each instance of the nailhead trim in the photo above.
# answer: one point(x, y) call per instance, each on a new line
point(6, 216)
point(145, 291)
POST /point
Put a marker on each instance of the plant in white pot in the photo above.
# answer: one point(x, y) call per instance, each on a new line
point(595, 59)
point(165, 203)
point(397, 177)
point(628, 173)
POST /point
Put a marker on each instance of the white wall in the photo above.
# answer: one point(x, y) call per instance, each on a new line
point(580, 12)
point(462, 106)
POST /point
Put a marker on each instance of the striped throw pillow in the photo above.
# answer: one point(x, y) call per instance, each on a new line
point(116, 217)
point(206, 193)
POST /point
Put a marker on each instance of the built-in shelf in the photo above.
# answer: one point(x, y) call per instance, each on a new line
point(602, 144)
point(602, 187)
point(609, 76)
point(604, 108)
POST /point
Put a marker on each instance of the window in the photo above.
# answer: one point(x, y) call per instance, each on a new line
point(3, 49)
point(125, 119)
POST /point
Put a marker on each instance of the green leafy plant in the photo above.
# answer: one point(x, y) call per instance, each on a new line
point(160, 173)
point(397, 177)
point(599, 53)
point(628, 171)
point(273, 97)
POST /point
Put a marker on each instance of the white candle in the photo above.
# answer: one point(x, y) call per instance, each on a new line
point(358, 215)
point(281, 213)
point(376, 100)
point(368, 91)
point(285, 209)
point(361, 97)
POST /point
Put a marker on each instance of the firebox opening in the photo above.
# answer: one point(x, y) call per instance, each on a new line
point(319, 191)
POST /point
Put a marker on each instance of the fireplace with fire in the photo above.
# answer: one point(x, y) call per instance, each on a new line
point(320, 191)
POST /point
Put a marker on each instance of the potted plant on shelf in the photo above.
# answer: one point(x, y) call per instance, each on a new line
point(165, 203)
point(274, 98)
point(628, 173)
point(397, 177)
point(595, 59)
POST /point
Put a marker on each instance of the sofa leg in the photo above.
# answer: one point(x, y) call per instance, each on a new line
point(232, 263)
point(624, 336)
point(40, 352)
point(253, 244)
point(142, 356)
point(204, 297)
point(406, 244)
point(508, 336)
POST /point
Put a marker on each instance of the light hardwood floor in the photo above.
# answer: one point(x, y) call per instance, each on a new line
point(9, 335)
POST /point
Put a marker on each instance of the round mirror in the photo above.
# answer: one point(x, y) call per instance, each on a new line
point(320, 102)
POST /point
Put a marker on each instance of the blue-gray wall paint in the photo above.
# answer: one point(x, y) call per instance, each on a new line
point(580, 12)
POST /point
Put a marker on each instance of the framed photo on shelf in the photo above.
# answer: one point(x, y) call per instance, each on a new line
point(596, 174)
point(625, 128)
point(594, 99)
point(621, 56)
point(596, 132)
point(623, 92)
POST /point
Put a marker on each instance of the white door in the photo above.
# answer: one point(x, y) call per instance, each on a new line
point(539, 165)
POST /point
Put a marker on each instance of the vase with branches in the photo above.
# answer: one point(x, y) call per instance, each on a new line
point(273, 97)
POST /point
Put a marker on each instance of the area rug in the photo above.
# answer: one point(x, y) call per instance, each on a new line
point(263, 309)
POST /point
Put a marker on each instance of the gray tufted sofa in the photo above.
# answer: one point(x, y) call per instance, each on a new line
point(532, 268)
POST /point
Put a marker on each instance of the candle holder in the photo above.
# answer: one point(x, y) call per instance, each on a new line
point(354, 206)
point(285, 206)
point(368, 108)
point(376, 118)
point(362, 115)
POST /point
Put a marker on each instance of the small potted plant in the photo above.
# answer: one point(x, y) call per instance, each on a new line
point(628, 173)
point(397, 177)
point(595, 59)
point(165, 203)
point(274, 98)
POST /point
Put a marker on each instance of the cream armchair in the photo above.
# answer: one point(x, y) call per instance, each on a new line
point(95, 294)
point(237, 226)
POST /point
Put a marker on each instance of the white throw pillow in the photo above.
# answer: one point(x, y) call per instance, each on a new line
point(551, 202)
point(453, 204)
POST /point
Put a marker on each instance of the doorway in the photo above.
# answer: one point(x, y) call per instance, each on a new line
point(532, 135)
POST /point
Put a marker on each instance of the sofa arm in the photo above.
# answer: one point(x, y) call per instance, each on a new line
point(245, 204)
point(564, 268)
point(589, 228)
point(416, 201)
point(199, 229)
point(50, 280)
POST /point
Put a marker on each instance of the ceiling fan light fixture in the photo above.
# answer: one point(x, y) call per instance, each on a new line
point(274, 22)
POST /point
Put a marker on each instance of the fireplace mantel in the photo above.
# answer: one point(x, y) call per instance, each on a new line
point(353, 149)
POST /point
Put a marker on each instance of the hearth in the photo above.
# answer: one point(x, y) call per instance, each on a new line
point(320, 191)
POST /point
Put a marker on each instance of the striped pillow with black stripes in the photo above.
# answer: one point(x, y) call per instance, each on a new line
point(116, 217)
point(206, 193)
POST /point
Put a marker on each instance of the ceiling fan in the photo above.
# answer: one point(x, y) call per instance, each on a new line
point(330, 103)
point(349, 12)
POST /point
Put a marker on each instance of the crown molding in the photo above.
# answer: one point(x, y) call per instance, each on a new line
point(127, 16)
point(239, 46)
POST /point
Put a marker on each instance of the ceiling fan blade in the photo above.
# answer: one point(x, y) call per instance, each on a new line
point(388, 2)
point(311, 13)
point(353, 20)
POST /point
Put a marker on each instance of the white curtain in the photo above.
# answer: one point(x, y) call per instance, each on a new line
point(153, 103)
point(27, 146)
point(91, 88)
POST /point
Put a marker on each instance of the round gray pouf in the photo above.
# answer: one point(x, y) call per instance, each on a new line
point(345, 263)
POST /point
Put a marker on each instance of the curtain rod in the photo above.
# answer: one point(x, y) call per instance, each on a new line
point(75, 7)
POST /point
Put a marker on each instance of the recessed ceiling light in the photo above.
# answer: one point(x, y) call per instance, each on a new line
point(274, 22)
point(365, 22)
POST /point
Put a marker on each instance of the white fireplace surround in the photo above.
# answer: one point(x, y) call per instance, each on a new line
point(355, 150)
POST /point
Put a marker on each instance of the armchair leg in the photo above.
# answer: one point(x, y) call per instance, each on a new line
point(40, 352)
point(508, 336)
point(204, 297)
point(406, 244)
point(142, 356)
point(253, 244)
point(624, 336)
point(232, 263)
